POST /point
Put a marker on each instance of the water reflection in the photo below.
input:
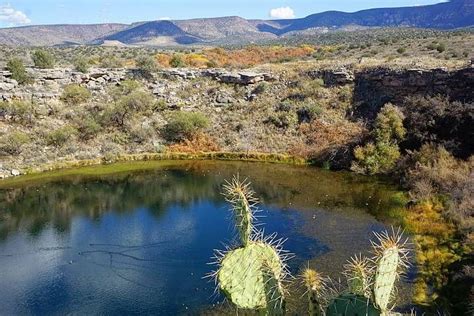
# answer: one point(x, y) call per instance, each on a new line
point(138, 242)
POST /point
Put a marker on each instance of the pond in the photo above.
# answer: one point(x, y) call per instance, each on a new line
point(137, 238)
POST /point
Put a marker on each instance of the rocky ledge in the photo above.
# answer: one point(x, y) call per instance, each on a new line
point(48, 83)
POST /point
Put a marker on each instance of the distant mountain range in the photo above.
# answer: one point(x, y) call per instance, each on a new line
point(236, 30)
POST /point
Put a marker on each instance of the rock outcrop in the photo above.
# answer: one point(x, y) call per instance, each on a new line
point(374, 88)
point(335, 77)
point(48, 83)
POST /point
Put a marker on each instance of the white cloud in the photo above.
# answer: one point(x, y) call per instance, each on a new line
point(164, 18)
point(12, 17)
point(282, 13)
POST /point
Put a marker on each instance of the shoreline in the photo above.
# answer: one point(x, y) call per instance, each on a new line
point(143, 157)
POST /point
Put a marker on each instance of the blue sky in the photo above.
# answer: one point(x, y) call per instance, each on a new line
point(24, 12)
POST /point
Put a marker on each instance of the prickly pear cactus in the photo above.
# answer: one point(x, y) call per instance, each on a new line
point(390, 257)
point(358, 273)
point(251, 275)
point(365, 294)
point(241, 197)
point(273, 290)
point(385, 277)
point(352, 305)
point(243, 275)
point(314, 286)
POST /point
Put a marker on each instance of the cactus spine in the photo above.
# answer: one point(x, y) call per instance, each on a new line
point(251, 275)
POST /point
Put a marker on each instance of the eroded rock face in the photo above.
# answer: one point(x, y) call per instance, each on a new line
point(48, 83)
point(333, 77)
point(375, 87)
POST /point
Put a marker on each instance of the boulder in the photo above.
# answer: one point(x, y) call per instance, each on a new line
point(333, 77)
point(15, 172)
point(7, 86)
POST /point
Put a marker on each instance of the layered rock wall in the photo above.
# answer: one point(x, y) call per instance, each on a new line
point(48, 83)
point(374, 88)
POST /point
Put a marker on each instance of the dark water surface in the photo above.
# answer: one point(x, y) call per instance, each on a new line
point(138, 241)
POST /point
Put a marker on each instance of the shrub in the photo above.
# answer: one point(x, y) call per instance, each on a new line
point(199, 142)
point(134, 102)
point(75, 94)
point(261, 88)
point(177, 61)
point(282, 119)
point(439, 121)
point(139, 133)
point(11, 144)
point(146, 65)
point(88, 128)
point(82, 64)
point(381, 155)
point(124, 88)
point(184, 125)
point(111, 62)
point(138, 101)
point(43, 59)
point(389, 124)
point(17, 68)
point(401, 50)
point(19, 110)
point(375, 158)
point(309, 113)
point(60, 136)
point(438, 169)
point(441, 47)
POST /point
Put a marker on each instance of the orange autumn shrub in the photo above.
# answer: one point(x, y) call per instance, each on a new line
point(200, 142)
point(196, 60)
point(323, 139)
point(163, 60)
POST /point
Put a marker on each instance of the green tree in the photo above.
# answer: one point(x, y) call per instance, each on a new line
point(43, 59)
point(389, 124)
point(183, 125)
point(75, 94)
point(124, 107)
point(381, 154)
point(17, 68)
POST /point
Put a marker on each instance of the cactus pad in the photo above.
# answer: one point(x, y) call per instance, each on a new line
point(386, 275)
point(314, 285)
point(250, 276)
point(390, 257)
point(358, 272)
point(242, 199)
point(352, 305)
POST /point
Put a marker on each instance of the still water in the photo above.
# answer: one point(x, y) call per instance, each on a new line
point(137, 238)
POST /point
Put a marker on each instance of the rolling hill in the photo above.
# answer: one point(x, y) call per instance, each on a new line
point(233, 30)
